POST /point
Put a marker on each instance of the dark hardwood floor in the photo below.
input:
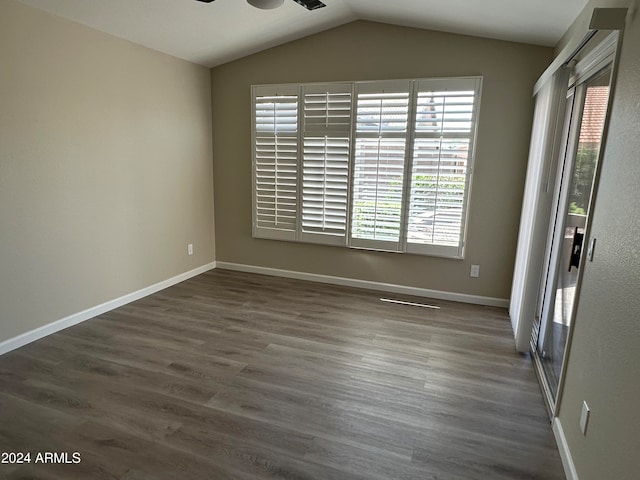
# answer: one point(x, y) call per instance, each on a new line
point(239, 376)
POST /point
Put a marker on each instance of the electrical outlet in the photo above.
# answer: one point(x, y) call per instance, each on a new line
point(190, 249)
point(475, 271)
point(584, 418)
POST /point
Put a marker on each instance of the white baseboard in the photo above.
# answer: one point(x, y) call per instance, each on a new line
point(40, 332)
point(565, 453)
point(74, 319)
point(352, 282)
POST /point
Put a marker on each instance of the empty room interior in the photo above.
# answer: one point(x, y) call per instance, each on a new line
point(303, 239)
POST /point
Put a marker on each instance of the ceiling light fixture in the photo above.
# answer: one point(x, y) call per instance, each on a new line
point(265, 4)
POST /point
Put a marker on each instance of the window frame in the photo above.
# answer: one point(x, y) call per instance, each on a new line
point(403, 243)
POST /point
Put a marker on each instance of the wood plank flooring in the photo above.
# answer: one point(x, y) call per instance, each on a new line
point(240, 376)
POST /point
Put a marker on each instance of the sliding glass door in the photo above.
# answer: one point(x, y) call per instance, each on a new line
point(585, 118)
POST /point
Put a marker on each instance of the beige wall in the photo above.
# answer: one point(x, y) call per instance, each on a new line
point(371, 51)
point(105, 168)
point(604, 356)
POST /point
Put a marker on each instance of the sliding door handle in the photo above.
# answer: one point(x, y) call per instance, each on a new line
point(576, 249)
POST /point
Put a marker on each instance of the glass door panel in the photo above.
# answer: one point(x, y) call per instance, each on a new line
point(572, 214)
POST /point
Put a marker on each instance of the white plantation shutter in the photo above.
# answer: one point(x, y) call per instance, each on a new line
point(445, 111)
point(275, 162)
point(325, 162)
point(381, 128)
point(380, 165)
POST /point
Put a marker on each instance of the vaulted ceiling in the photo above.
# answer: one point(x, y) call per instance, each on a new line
point(214, 33)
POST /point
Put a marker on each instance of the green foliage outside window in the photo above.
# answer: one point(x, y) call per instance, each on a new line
point(582, 180)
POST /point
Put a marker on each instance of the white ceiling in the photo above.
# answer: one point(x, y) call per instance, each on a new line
point(215, 33)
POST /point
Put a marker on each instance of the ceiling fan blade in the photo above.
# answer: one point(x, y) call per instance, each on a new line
point(310, 4)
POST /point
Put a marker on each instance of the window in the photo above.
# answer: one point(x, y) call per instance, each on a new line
point(382, 119)
point(380, 165)
point(275, 160)
point(326, 132)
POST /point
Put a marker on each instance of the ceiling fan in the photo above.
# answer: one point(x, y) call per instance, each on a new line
point(269, 4)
